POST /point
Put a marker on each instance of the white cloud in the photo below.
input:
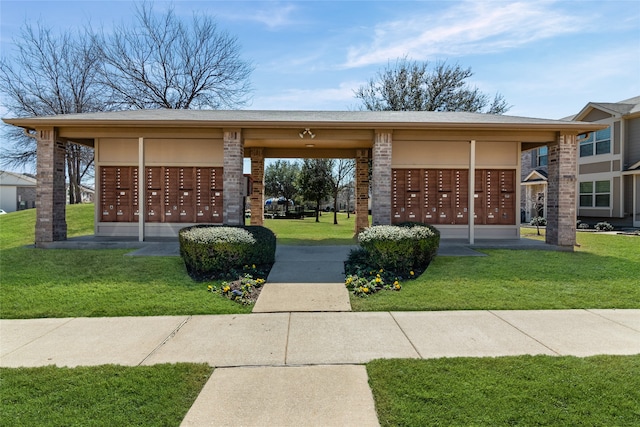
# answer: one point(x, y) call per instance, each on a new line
point(274, 15)
point(472, 27)
point(308, 99)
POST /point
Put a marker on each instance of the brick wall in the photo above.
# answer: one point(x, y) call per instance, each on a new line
point(561, 192)
point(257, 195)
point(51, 224)
point(381, 177)
point(362, 190)
point(233, 177)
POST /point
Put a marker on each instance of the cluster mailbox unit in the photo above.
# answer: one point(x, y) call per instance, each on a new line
point(441, 196)
point(173, 194)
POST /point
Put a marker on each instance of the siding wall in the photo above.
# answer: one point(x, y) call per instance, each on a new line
point(632, 143)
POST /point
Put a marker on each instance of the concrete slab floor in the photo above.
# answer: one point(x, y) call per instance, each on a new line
point(227, 340)
point(575, 332)
point(345, 338)
point(314, 297)
point(96, 341)
point(285, 396)
point(465, 333)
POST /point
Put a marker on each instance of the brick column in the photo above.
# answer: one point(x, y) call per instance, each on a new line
point(362, 190)
point(257, 195)
point(381, 177)
point(561, 191)
point(51, 198)
point(233, 177)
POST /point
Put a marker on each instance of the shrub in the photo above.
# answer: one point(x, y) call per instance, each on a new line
point(211, 252)
point(582, 225)
point(538, 221)
point(400, 248)
point(604, 226)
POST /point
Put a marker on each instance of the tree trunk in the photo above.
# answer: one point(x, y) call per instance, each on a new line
point(335, 208)
point(317, 210)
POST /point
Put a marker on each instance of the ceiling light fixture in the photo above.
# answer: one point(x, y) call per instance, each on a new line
point(307, 131)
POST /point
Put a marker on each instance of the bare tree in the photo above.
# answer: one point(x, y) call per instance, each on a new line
point(341, 176)
point(50, 74)
point(412, 86)
point(163, 62)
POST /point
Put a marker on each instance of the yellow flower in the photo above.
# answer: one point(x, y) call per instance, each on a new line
point(226, 289)
point(397, 285)
point(365, 290)
point(381, 270)
point(209, 287)
point(253, 266)
point(411, 273)
point(378, 279)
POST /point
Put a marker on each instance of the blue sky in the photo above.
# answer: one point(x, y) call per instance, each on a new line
point(548, 59)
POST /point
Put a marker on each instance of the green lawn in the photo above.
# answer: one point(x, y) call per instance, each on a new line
point(90, 283)
point(106, 396)
point(604, 272)
point(526, 390)
point(309, 232)
point(508, 391)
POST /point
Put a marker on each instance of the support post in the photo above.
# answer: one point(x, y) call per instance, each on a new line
point(51, 198)
point(362, 190)
point(381, 177)
point(257, 195)
point(472, 191)
point(561, 190)
point(233, 177)
point(141, 190)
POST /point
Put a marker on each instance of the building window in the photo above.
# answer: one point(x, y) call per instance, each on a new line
point(595, 143)
point(595, 194)
point(542, 155)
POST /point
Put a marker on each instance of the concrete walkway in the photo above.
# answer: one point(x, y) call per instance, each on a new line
point(305, 368)
point(306, 278)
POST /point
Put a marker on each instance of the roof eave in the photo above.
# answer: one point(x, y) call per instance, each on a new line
point(39, 122)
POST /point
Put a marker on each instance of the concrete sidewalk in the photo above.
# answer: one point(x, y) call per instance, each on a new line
point(305, 368)
point(281, 339)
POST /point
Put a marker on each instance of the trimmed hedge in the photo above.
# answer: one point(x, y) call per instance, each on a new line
point(397, 249)
point(221, 252)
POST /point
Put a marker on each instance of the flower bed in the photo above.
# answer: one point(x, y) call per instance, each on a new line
point(388, 255)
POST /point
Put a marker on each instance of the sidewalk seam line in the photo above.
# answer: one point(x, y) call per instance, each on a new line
point(166, 340)
point(405, 335)
point(40, 336)
point(588, 310)
point(286, 342)
point(524, 333)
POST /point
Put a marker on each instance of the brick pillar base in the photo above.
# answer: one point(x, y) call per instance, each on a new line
point(233, 177)
point(561, 192)
point(381, 177)
point(362, 190)
point(257, 195)
point(51, 198)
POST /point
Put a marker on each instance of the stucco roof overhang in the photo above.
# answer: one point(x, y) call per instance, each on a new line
point(290, 119)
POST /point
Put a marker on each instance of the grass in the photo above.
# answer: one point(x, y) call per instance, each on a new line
point(523, 390)
point(106, 395)
point(308, 232)
point(90, 283)
point(604, 272)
